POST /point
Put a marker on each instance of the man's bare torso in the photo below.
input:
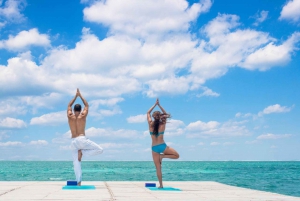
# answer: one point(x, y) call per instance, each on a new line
point(77, 125)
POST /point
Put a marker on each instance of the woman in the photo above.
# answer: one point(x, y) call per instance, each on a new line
point(159, 148)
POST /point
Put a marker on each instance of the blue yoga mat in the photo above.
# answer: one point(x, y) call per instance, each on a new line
point(84, 187)
point(163, 189)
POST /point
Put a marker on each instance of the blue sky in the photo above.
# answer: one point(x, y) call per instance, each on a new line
point(227, 71)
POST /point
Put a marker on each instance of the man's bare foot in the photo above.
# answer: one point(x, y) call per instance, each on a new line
point(79, 184)
point(79, 155)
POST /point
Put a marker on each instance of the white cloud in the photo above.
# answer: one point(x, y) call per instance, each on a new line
point(201, 143)
point(141, 118)
point(25, 39)
point(268, 110)
point(20, 105)
point(202, 126)
point(105, 102)
point(18, 77)
point(39, 142)
point(3, 135)
point(2, 24)
point(171, 85)
point(241, 115)
point(151, 57)
point(261, 17)
point(12, 123)
point(208, 92)
point(290, 11)
point(110, 133)
point(229, 46)
point(134, 17)
point(46, 100)
point(272, 55)
point(65, 138)
point(216, 129)
point(214, 143)
point(106, 112)
point(54, 118)
point(275, 109)
point(174, 127)
point(65, 147)
point(119, 145)
point(228, 143)
point(10, 143)
point(271, 136)
point(11, 107)
point(251, 142)
point(11, 11)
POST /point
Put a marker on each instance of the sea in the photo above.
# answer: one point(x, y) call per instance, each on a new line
point(273, 176)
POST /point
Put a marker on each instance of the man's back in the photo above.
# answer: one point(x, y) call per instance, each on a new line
point(77, 124)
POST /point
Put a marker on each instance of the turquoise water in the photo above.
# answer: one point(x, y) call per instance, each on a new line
point(278, 177)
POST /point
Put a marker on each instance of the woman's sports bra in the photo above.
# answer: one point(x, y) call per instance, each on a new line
point(159, 133)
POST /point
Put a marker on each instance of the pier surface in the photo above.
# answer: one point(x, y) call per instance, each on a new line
point(128, 190)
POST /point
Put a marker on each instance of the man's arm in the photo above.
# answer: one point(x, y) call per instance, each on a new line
point(69, 110)
point(86, 105)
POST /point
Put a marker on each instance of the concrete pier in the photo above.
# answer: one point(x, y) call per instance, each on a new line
point(128, 190)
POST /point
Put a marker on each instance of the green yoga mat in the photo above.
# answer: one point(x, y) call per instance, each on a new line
point(163, 189)
point(84, 187)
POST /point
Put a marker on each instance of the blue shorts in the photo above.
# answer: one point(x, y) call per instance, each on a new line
point(159, 148)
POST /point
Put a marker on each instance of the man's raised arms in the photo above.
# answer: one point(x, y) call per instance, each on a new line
point(86, 105)
point(69, 110)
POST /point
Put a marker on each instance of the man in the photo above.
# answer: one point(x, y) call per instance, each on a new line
point(80, 145)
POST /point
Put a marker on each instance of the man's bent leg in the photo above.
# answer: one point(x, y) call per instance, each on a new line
point(91, 148)
point(79, 155)
point(77, 166)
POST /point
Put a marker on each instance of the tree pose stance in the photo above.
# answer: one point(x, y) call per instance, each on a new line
point(80, 145)
point(159, 148)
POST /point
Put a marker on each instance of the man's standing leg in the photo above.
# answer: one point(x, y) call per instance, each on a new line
point(77, 166)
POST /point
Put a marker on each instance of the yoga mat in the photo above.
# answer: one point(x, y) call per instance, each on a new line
point(83, 187)
point(164, 189)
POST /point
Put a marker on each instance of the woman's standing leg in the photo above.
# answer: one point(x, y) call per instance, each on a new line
point(156, 160)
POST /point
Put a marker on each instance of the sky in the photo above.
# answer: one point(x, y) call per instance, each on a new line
point(227, 71)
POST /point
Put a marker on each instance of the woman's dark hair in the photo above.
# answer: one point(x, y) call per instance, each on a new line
point(158, 121)
point(77, 108)
point(156, 125)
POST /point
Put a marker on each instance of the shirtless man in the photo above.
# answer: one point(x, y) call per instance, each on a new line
point(80, 145)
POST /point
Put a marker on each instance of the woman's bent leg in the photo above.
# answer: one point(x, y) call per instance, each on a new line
point(170, 153)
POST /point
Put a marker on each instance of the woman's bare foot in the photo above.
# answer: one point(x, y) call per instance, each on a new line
point(160, 187)
point(79, 184)
point(79, 155)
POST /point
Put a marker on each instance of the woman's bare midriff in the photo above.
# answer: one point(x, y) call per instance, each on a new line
point(157, 140)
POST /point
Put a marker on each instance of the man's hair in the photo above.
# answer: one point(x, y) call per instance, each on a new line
point(77, 108)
